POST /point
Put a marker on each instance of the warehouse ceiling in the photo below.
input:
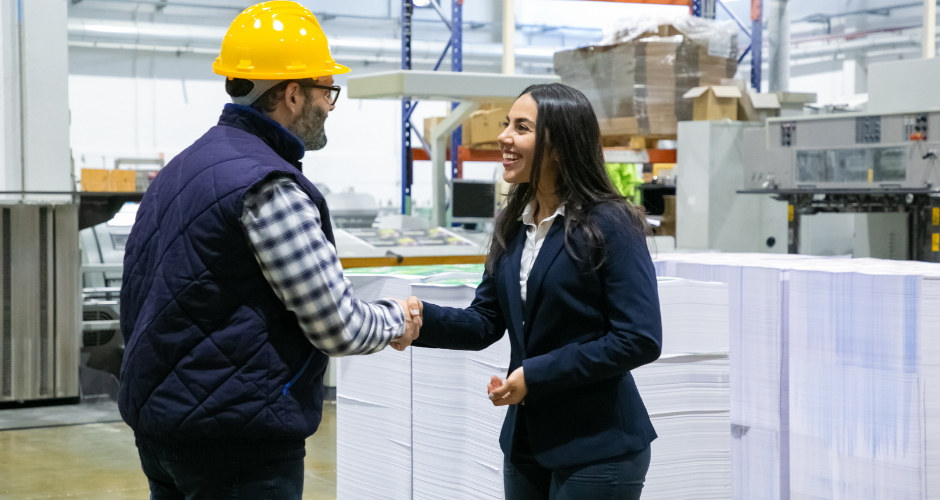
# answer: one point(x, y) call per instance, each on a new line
point(366, 32)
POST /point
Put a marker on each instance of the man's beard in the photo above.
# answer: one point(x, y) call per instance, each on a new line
point(308, 126)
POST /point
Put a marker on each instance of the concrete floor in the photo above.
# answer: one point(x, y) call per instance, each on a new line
point(98, 461)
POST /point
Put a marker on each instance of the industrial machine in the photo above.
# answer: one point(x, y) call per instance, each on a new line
point(880, 167)
point(882, 164)
point(39, 307)
point(845, 152)
point(709, 213)
point(102, 257)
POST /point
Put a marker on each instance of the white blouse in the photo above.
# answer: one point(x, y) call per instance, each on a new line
point(534, 237)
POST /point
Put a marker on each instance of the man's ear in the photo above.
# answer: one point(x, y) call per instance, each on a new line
point(292, 98)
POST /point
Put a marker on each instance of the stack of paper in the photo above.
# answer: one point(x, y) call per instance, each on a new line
point(695, 316)
point(450, 447)
point(373, 415)
point(863, 366)
point(456, 427)
point(758, 362)
point(835, 389)
point(686, 393)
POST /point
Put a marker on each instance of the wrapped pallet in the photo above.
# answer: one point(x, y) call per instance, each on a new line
point(636, 77)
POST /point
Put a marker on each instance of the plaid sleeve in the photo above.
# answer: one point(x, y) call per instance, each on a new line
point(284, 229)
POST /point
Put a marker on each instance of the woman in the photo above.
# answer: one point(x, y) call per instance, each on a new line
point(570, 275)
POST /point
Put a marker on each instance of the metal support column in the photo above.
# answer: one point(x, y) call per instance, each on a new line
point(407, 162)
point(926, 230)
point(456, 64)
point(703, 8)
point(793, 227)
point(778, 41)
point(757, 32)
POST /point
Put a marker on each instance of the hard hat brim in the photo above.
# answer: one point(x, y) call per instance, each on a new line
point(338, 69)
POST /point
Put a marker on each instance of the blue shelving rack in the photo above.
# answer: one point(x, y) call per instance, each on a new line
point(455, 46)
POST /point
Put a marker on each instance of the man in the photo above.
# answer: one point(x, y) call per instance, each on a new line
point(233, 296)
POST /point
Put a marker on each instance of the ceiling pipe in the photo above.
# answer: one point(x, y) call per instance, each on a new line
point(207, 40)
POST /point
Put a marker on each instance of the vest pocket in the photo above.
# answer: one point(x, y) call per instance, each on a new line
point(300, 372)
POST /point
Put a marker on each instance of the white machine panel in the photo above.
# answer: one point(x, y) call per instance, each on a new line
point(849, 151)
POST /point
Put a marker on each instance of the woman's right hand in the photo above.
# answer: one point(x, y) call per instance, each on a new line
point(414, 320)
point(416, 308)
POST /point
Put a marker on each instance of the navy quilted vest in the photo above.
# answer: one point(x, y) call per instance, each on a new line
point(213, 358)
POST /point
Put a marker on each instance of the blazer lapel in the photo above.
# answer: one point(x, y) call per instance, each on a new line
point(554, 242)
point(510, 276)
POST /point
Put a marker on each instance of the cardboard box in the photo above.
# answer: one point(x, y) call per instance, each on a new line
point(792, 103)
point(96, 180)
point(484, 126)
point(765, 105)
point(714, 102)
point(644, 79)
point(619, 126)
point(429, 124)
point(123, 181)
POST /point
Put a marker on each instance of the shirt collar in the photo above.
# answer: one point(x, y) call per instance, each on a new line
point(528, 214)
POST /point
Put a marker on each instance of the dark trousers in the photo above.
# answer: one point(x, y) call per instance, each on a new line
point(619, 478)
point(177, 477)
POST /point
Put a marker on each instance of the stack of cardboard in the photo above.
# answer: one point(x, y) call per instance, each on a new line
point(636, 86)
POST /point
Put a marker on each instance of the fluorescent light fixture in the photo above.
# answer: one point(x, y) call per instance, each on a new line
point(421, 3)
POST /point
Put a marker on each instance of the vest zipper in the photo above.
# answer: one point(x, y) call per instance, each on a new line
point(301, 372)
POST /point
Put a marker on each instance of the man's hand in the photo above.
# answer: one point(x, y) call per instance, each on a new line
point(413, 308)
point(510, 392)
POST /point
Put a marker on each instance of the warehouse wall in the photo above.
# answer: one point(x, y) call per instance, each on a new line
point(143, 104)
point(147, 105)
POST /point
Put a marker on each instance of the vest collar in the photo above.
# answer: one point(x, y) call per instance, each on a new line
point(282, 141)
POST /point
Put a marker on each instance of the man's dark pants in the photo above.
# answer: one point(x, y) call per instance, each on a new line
point(176, 476)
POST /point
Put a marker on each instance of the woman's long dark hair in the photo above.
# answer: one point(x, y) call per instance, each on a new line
point(581, 183)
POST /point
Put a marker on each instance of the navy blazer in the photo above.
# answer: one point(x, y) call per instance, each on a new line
point(577, 338)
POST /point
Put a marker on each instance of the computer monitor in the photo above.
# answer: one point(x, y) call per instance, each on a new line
point(473, 201)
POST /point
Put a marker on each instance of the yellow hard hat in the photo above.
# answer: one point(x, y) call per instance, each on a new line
point(278, 40)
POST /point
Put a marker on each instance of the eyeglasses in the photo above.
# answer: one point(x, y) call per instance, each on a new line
point(334, 90)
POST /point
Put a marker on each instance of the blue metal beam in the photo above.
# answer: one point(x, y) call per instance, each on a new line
point(757, 32)
point(456, 64)
point(407, 161)
point(455, 45)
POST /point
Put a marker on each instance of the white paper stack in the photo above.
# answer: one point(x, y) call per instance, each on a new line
point(419, 425)
point(373, 415)
point(863, 366)
point(456, 427)
point(835, 388)
point(759, 458)
point(687, 395)
point(695, 316)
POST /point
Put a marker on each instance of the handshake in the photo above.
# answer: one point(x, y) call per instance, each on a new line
point(414, 310)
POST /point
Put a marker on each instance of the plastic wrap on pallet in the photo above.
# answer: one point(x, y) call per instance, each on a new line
point(636, 81)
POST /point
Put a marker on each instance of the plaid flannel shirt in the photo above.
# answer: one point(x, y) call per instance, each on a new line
point(283, 226)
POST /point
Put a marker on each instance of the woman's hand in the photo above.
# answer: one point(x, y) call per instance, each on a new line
point(510, 392)
point(414, 320)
